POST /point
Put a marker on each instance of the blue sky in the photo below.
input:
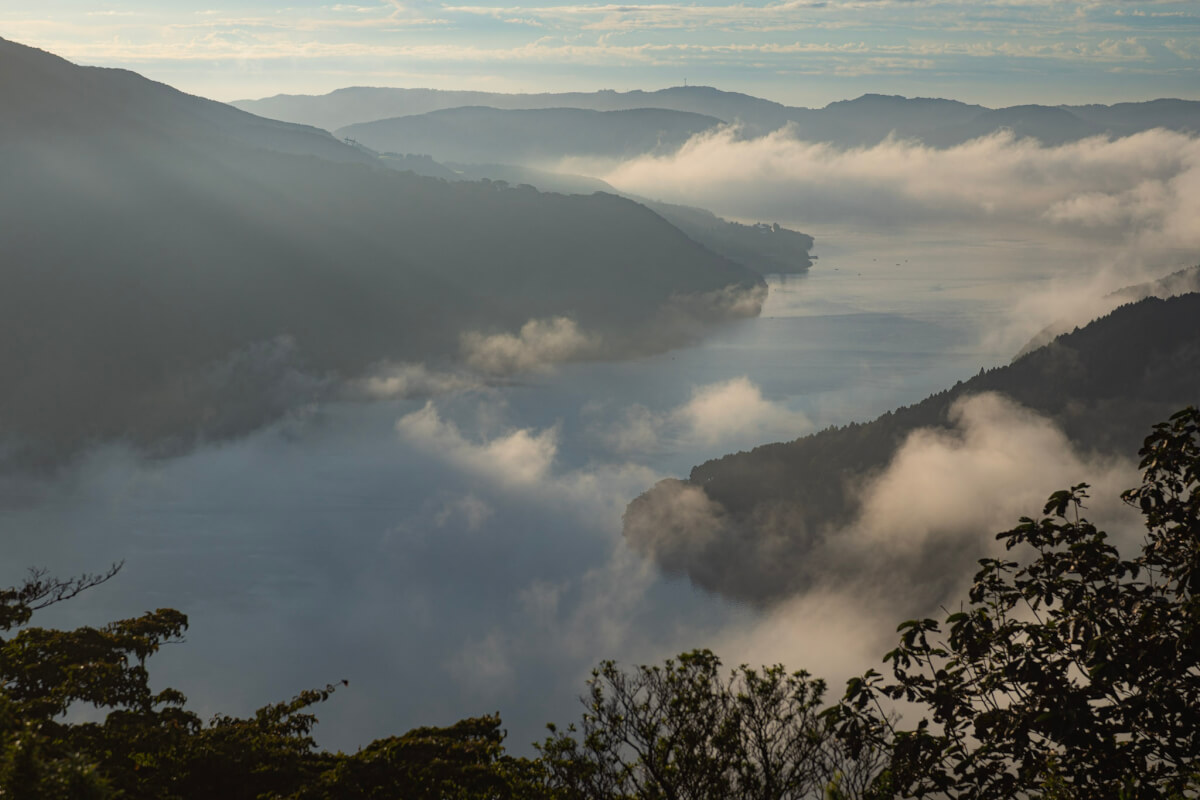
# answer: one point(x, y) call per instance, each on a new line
point(799, 52)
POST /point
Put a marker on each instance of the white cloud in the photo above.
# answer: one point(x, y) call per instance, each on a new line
point(539, 344)
point(522, 460)
point(736, 409)
point(833, 633)
point(261, 40)
point(1060, 304)
point(913, 547)
point(803, 17)
point(392, 381)
point(1188, 50)
point(922, 521)
point(637, 431)
point(1000, 462)
point(573, 615)
point(520, 457)
point(726, 414)
point(1141, 190)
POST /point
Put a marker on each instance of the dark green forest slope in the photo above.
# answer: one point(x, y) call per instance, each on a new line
point(766, 248)
point(1103, 385)
point(176, 269)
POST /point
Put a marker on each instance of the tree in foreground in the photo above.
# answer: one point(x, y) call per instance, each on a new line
point(149, 746)
point(1073, 674)
point(688, 731)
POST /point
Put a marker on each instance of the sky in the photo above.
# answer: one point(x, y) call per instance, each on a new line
point(799, 52)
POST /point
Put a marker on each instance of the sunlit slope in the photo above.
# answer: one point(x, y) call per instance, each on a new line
point(174, 268)
point(753, 532)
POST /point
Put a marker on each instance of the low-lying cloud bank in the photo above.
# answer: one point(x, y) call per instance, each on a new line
point(519, 457)
point(443, 556)
point(919, 524)
point(523, 460)
point(732, 413)
point(1068, 303)
point(397, 381)
point(564, 616)
point(999, 462)
point(1142, 189)
point(539, 344)
point(913, 546)
point(274, 379)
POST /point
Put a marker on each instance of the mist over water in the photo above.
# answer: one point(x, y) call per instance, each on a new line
point(462, 554)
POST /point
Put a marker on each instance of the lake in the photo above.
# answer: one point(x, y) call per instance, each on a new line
point(461, 555)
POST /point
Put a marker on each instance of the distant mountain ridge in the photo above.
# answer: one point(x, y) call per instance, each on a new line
point(863, 121)
point(352, 105)
point(1050, 126)
point(1103, 385)
point(482, 134)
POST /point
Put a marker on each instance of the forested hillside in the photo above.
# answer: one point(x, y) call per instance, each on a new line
point(1103, 385)
point(176, 269)
point(766, 248)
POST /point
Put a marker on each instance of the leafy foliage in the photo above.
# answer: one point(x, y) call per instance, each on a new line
point(150, 746)
point(461, 762)
point(1076, 674)
point(684, 731)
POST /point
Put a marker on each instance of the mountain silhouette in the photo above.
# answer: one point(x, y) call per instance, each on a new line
point(860, 122)
point(484, 135)
point(178, 271)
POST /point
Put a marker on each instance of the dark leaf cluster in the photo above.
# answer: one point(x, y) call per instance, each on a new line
point(687, 730)
point(1074, 672)
point(148, 746)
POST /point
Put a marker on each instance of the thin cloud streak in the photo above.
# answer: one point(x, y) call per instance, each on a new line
point(917, 47)
point(730, 414)
point(923, 522)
